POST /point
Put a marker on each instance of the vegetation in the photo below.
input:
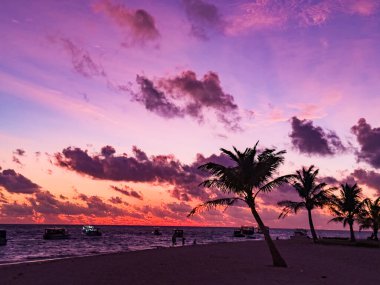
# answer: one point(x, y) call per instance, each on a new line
point(369, 217)
point(313, 195)
point(251, 173)
point(347, 206)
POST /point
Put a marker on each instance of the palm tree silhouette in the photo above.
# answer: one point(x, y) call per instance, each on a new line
point(370, 216)
point(251, 174)
point(347, 206)
point(311, 192)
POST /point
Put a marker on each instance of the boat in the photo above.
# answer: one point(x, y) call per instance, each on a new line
point(91, 231)
point(238, 233)
point(178, 233)
point(299, 234)
point(259, 231)
point(244, 231)
point(3, 237)
point(247, 230)
point(156, 232)
point(56, 233)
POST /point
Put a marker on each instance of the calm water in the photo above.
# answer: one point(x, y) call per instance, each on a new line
point(25, 242)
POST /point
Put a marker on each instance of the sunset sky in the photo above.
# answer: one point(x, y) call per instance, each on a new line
point(108, 107)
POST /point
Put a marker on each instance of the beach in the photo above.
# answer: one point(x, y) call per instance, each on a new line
point(219, 263)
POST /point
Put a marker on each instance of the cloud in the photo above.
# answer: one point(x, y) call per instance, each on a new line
point(139, 24)
point(127, 191)
point(310, 139)
point(16, 183)
point(368, 177)
point(46, 205)
point(16, 156)
point(369, 141)
point(186, 95)
point(204, 18)
point(182, 179)
point(81, 60)
point(277, 14)
point(155, 100)
point(116, 200)
point(19, 152)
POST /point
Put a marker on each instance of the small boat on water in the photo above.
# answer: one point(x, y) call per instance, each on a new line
point(244, 231)
point(178, 233)
point(299, 234)
point(259, 231)
point(156, 232)
point(91, 231)
point(56, 233)
point(3, 237)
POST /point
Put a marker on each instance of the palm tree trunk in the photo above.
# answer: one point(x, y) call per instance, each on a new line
point(375, 230)
point(351, 223)
point(277, 259)
point(313, 233)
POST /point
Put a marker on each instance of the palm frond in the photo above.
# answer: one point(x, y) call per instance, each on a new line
point(276, 182)
point(290, 206)
point(214, 204)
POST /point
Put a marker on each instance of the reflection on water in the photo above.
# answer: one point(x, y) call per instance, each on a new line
point(25, 242)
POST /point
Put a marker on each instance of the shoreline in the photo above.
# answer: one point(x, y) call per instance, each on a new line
point(219, 263)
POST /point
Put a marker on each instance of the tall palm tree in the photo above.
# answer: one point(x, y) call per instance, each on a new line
point(251, 173)
point(370, 216)
point(347, 206)
point(312, 194)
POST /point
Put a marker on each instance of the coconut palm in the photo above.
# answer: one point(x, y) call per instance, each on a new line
point(347, 206)
point(251, 173)
point(313, 195)
point(369, 218)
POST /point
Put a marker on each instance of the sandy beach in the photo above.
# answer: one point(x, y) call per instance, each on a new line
point(224, 263)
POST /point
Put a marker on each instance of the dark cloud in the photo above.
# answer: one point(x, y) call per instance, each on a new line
point(116, 200)
point(16, 183)
point(155, 100)
point(139, 24)
point(127, 191)
point(186, 95)
point(46, 204)
point(16, 160)
point(368, 177)
point(19, 152)
point(182, 179)
point(16, 210)
point(204, 18)
point(310, 139)
point(107, 150)
point(369, 141)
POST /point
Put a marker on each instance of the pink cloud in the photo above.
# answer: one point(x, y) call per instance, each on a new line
point(267, 14)
point(139, 24)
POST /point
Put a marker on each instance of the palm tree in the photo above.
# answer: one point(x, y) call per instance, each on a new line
point(347, 207)
point(312, 193)
point(251, 173)
point(370, 216)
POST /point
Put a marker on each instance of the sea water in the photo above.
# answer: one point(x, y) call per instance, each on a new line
point(25, 242)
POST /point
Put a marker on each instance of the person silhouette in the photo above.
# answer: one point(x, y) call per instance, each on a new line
point(174, 239)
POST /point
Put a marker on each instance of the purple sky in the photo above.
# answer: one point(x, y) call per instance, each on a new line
point(108, 107)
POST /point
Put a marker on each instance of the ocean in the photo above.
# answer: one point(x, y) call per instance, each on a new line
point(25, 242)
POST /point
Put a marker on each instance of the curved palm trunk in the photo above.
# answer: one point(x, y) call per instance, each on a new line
point(313, 233)
point(277, 259)
point(375, 231)
point(352, 234)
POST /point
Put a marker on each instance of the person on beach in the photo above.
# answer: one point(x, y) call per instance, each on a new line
point(183, 241)
point(195, 242)
point(174, 239)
